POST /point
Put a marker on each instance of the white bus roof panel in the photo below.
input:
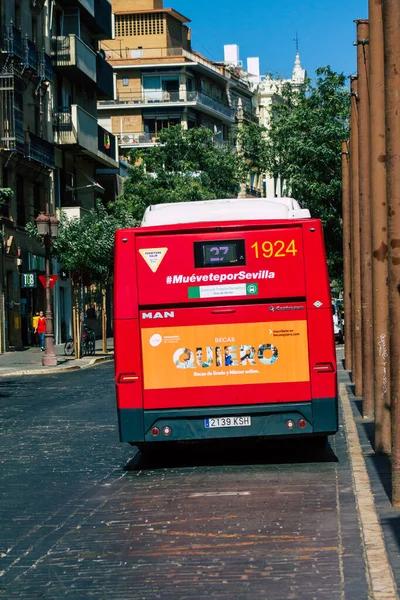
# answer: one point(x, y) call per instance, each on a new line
point(232, 209)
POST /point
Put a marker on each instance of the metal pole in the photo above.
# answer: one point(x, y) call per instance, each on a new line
point(346, 216)
point(49, 359)
point(365, 218)
point(379, 230)
point(355, 233)
point(391, 28)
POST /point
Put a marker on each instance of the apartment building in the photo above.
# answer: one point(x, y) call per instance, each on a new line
point(160, 81)
point(269, 92)
point(51, 146)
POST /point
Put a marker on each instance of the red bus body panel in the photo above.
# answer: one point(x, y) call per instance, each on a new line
point(190, 337)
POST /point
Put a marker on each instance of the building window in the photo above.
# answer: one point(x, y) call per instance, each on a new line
point(142, 24)
point(125, 81)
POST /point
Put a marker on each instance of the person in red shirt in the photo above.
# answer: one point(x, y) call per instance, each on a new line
point(41, 329)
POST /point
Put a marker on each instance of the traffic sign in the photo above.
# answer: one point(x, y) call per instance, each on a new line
point(53, 279)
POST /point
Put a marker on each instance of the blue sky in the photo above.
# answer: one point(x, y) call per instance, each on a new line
point(266, 28)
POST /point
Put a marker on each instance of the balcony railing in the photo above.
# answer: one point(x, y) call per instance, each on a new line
point(12, 129)
point(39, 150)
point(30, 54)
point(12, 41)
point(156, 53)
point(46, 66)
point(162, 97)
point(137, 139)
point(73, 126)
point(174, 54)
point(71, 52)
point(105, 79)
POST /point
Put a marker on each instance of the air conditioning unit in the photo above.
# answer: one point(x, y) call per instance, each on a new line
point(129, 138)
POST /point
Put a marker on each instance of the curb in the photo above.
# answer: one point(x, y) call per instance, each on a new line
point(379, 572)
point(50, 370)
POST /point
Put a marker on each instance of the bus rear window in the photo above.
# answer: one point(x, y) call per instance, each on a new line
point(221, 253)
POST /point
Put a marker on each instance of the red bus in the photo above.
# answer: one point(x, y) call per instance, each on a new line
point(223, 324)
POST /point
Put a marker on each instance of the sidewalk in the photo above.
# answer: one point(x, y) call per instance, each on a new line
point(29, 360)
point(371, 473)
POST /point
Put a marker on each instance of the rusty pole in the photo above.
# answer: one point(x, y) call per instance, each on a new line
point(346, 216)
point(391, 28)
point(379, 230)
point(365, 218)
point(355, 240)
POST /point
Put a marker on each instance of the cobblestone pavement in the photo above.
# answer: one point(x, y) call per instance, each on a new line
point(81, 516)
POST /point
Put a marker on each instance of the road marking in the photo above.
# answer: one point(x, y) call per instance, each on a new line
point(379, 572)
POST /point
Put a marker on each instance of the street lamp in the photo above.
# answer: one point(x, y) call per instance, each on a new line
point(47, 228)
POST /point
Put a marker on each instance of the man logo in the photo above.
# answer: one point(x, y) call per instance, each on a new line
point(159, 315)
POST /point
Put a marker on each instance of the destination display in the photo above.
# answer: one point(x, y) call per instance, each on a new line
point(221, 253)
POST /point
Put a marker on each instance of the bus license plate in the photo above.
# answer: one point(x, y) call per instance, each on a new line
point(227, 422)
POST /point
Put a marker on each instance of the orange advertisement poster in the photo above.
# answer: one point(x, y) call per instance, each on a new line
point(219, 355)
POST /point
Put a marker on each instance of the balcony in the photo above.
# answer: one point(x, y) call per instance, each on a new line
point(105, 79)
point(78, 131)
point(87, 5)
point(74, 56)
point(142, 139)
point(46, 66)
point(103, 22)
point(12, 129)
point(39, 150)
point(138, 139)
point(30, 57)
point(12, 41)
point(160, 98)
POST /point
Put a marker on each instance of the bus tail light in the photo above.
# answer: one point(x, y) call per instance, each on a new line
point(302, 423)
point(155, 431)
point(167, 431)
point(290, 424)
point(128, 378)
point(324, 367)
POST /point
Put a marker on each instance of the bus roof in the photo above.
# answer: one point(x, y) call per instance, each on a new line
point(230, 209)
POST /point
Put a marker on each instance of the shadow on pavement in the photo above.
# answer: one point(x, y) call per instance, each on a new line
point(394, 524)
point(214, 454)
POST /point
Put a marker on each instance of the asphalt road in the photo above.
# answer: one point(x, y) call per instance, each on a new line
point(82, 516)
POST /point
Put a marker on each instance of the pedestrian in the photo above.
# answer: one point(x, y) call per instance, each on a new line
point(35, 336)
point(41, 329)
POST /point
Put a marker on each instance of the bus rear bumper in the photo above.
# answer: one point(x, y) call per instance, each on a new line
point(320, 416)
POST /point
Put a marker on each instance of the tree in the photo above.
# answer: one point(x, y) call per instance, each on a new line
point(253, 147)
point(185, 166)
point(307, 128)
point(86, 246)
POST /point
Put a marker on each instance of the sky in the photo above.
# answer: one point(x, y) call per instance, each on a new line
point(267, 28)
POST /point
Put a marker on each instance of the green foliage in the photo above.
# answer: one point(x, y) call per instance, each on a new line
point(185, 166)
point(307, 129)
point(254, 147)
point(5, 195)
point(87, 244)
